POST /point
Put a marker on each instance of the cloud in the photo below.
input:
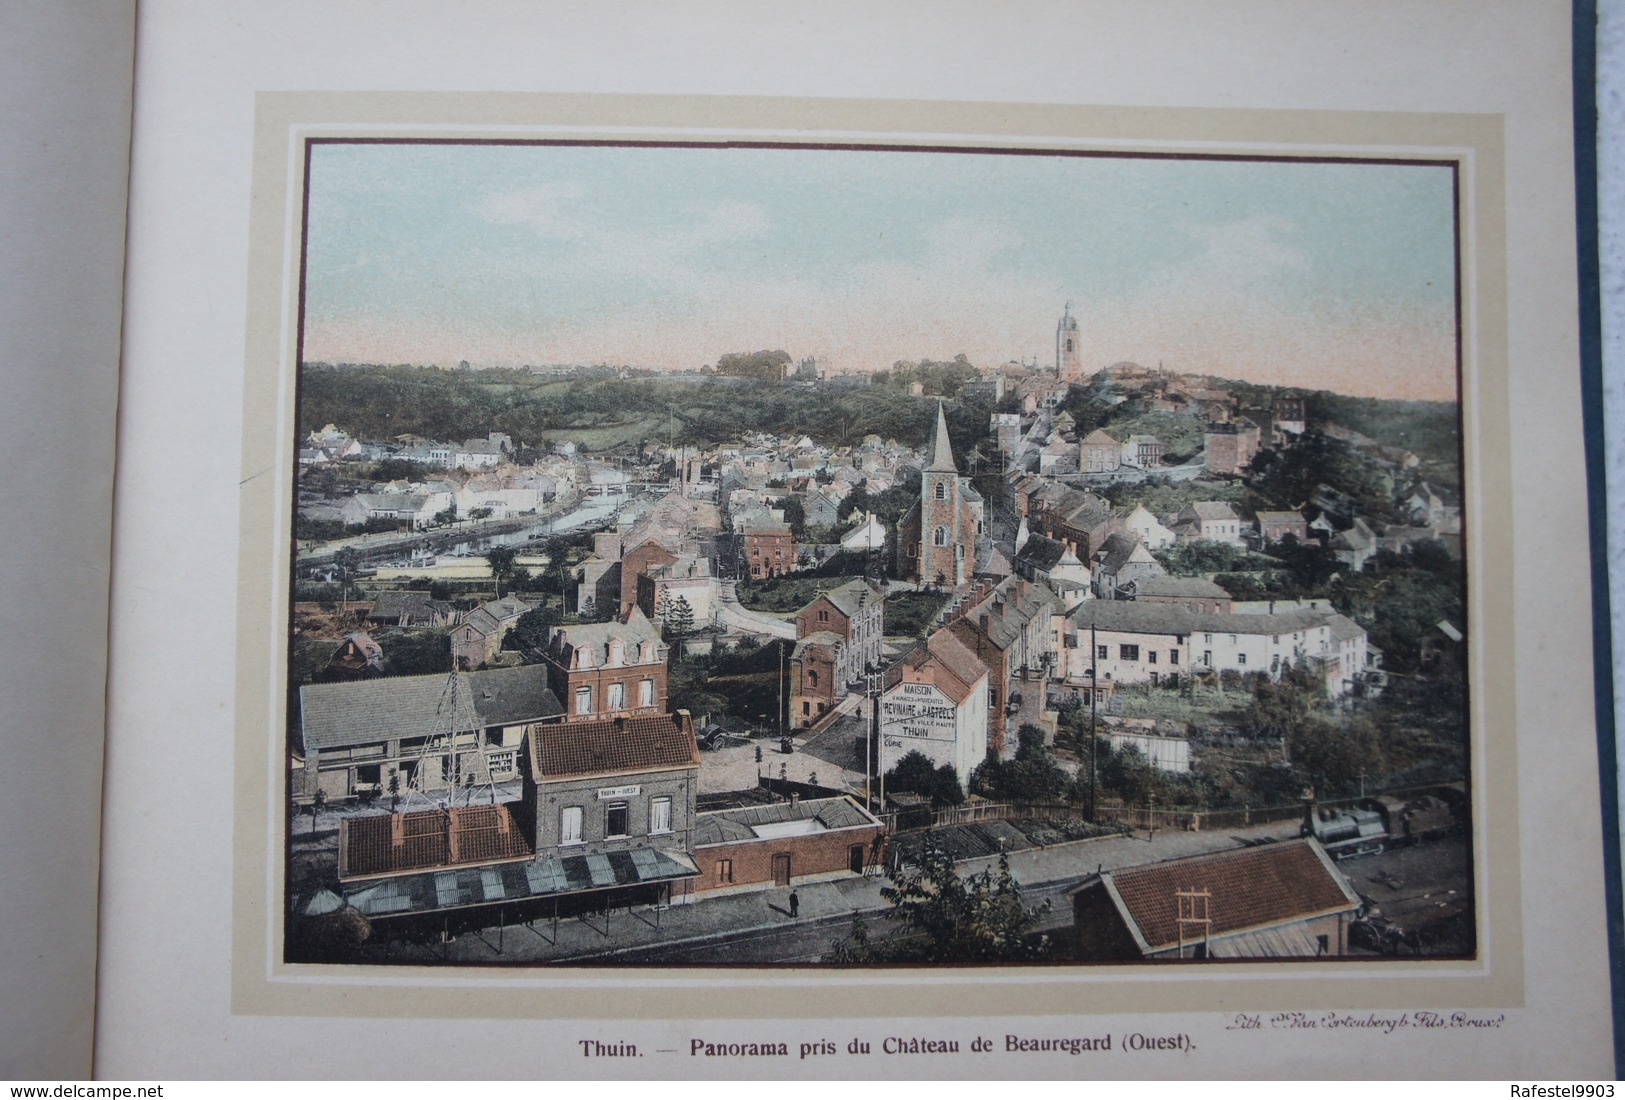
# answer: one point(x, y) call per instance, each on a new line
point(551, 211)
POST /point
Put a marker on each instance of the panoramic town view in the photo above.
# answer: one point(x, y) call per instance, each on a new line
point(847, 557)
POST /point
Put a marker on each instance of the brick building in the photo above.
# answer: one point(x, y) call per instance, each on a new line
point(1285, 900)
point(856, 613)
point(767, 546)
point(606, 820)
point(600, 670)
point(1011, 633)
point(784, 844)
point(1231, 447)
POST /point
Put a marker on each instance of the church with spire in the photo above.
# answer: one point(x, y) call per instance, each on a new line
point(1068, 364)
point(937, 538)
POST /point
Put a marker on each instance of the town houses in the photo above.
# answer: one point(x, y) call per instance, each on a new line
point(678, 670)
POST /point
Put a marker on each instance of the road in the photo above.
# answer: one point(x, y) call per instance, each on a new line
point(736, 617)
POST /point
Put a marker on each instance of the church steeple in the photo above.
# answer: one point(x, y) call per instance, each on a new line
point(942, 454)
point(1068, 366)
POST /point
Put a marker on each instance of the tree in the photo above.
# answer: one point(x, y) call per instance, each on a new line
point(1033, 776)
point(531, 633)
point(679, 618)
point(795, 514)
point(416, 652)
point(946, 918)
point(500, 559)
point(915, 773)
point(1336, 758)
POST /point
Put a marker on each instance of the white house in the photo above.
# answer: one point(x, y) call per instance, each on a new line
point(938, 707)
point(1137, 643)
point(1151, 532)
point(868, 535)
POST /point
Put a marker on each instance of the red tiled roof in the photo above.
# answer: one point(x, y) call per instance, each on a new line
point(388, 844)
point(1251, 888)
point(613, 746)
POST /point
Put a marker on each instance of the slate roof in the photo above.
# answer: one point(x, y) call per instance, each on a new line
point(1115, 553)
point(1133, 616)
point(1345, 629)
point(851, 597)
point(942, 454)
point(615, 746)
point(956, 658)
point(1252, 888)
point(1265, 518)
point(1212, 510)
point(481, 622)
point(631, 632)
point(505, 696)
point(394, 606)
point(1357, 537)
point(1100, 438)
point(734, 826)
point(364, 712)
point(1185, 587)
point(817, 638)
point(1041, 553)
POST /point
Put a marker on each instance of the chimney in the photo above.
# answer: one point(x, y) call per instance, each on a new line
point(795, 799)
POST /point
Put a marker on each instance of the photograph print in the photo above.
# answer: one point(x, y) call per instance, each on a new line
point(763, 554)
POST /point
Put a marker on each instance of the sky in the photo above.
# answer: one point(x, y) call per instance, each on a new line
point(1330, 276)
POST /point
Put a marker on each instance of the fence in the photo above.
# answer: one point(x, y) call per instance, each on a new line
point(1135, 817)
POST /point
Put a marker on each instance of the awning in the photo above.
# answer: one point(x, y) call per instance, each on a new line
point(547, 876)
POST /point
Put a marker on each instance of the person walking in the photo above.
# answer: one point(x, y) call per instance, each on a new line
point(795, 903)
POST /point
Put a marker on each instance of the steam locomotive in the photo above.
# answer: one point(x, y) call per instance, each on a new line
point(1372, 825)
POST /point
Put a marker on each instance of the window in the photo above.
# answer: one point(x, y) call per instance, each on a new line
point(1153, 679)
point(1241, 658)
point(941, 538)
point(570, 825)
point(806, 709)
point(1208, 638)
point(1128, 653)
point(583, 700)
point(1102, 652)
point(942, 490)
point(725, 871)
point(617, 696)
point(1151, 657)
point(617, 652)
point(616, 819)
point(823, 615)
point(660, 815)
point(1173, 656)
point(812, 677)
point(646, 693)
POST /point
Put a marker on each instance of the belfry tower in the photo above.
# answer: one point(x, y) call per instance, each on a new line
point(1067, 366)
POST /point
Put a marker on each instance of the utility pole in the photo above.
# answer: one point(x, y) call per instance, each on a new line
point(1094, 699)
